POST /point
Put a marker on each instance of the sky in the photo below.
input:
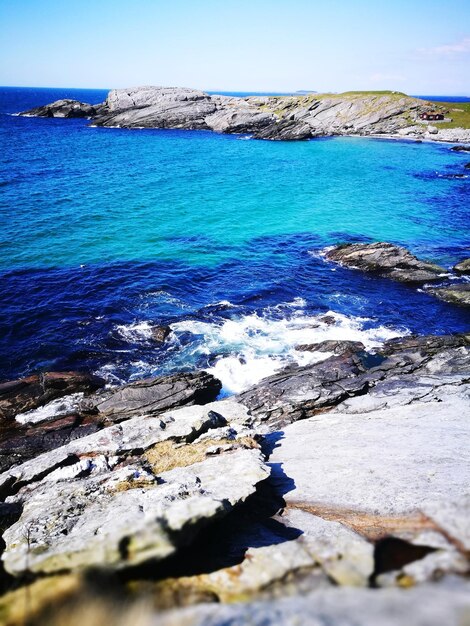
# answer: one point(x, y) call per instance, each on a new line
point(417, 46)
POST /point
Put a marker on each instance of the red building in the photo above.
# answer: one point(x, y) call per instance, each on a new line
point(431, 116)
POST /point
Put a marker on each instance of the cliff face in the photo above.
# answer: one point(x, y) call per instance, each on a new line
point(276, 117)
point(267, 117)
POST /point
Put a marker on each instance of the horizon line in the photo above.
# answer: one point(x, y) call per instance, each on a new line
point(215, 91)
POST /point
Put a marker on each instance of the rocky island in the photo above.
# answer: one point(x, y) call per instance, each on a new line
point(336, 492)
point(284, 118)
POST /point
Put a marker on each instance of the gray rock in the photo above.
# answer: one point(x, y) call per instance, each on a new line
point(277, 118)
point(160, 333)
point(425, 606)
point(159, 394)
point(462, 267)
point(387, 260)
point(455, 294)
point(124, 517)
point(63, 108)
point(26, 394)
point(97, 500)
point(300, 392)
point(156, 107)
point(387, 472)
point(331, 345)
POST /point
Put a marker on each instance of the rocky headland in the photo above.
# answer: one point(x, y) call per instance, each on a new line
point(333, 493)
point(285, 118)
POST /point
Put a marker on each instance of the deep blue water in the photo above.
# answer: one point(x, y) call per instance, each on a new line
point(106, 232)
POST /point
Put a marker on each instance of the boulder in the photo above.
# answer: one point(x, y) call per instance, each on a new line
point(155, 395)
point(160, 333)
point(25, 394)
point(385, 259)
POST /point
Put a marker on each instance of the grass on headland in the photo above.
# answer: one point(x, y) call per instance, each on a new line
point(458, 111)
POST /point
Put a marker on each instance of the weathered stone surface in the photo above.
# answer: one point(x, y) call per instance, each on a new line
point(425, 606)
point(25, 394)
point(456, 294)
point(120, 440)
point(63, 108)
point(332, 345)
point(156, 107)
point(387, 260)
point(299, 392)
point(97, 500)
point(395, 472)
point(269, 117)
point(19, 442)
point(159, 394)
point(287, 130)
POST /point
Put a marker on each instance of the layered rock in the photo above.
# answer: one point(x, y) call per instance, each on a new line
point(97, 501)
point(462, 267)
point(284, 118)
point(300, 392)
point(26, 394)
point(455, 294)
point(158, 394)
point(387, 260)
point(64, 108)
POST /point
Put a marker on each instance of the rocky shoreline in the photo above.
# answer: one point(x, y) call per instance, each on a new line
point(283, 118)
point(335, 492)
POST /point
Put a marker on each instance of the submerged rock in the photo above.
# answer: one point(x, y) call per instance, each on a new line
point(387, 260)
point(460, 148)
point(25, 394)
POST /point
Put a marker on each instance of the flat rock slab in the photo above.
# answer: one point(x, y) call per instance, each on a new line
point(425, 606)
point(398, 471)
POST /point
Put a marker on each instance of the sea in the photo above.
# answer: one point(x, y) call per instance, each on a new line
point(106, 233)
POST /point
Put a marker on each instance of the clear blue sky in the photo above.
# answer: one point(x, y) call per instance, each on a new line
point(416, 46)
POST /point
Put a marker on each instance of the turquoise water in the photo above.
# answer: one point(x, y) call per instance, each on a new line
point(95, 219)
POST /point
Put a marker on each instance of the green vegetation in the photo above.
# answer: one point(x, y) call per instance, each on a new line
point(458, 111)
point(373, 93)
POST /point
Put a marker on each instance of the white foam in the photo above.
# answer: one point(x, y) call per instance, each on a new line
point(56, 408)
point(136, 331)
point(252, 347)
